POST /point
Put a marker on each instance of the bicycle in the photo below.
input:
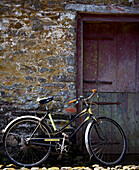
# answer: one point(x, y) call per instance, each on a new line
point(28, 140)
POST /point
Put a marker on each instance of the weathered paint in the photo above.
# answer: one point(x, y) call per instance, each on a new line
point(110, 56)
point(112, 45)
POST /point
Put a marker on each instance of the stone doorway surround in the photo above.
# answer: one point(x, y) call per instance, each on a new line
point(128, 13)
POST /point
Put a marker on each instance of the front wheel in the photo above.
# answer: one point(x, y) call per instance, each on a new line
point(105, 140)
point(17, 143)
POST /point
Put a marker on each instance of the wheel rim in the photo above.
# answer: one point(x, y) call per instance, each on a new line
point(17, 147)
point(107, 141)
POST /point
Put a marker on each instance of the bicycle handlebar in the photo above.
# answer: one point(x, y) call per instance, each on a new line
point(72, 101)
point(81, 97)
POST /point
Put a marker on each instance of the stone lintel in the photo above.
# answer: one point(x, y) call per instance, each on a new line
point(106, 9)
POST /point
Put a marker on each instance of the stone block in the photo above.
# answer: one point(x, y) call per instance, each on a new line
point(53, 168)
point(66, 168)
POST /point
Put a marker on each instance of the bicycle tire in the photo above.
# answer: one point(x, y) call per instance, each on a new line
point(106, 141)
point(17, 150)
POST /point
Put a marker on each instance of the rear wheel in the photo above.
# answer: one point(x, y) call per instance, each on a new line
point(106, 140)
point(17, 143)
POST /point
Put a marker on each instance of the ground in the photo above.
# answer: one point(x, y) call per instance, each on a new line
point(95, 167)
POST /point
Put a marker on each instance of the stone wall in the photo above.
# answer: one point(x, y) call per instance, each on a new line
point(38, 46)
point(38, 53)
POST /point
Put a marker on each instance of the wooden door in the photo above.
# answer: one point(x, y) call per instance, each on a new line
point(111, 65)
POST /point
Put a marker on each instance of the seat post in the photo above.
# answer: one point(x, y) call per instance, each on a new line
point(47, 112)
point(46, 107)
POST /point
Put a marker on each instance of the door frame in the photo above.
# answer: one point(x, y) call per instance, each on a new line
point(83, 17)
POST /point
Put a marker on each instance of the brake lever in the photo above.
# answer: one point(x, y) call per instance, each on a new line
point(78, 99)
point(81, 97)
point(76, 102)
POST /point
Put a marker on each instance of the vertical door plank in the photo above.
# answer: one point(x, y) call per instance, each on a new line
point(119, 112)
point(131, 114)
point(105, 110)
point(137, 59)
point(89, 56)
point(126, 61)
point(90, 63)
point(137, 122)
point(107, 57)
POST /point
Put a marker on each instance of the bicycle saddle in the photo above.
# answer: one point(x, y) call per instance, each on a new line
point(45, 99)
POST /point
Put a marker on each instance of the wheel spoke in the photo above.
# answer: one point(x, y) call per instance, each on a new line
point(107, 141)
point(17, 148)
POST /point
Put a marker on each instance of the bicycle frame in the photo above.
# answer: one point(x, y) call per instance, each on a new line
point(85, 111)
point(77, 129)
point(22, 143)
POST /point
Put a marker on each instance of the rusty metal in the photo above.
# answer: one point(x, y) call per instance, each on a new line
point(97, 82)
point(105, 103)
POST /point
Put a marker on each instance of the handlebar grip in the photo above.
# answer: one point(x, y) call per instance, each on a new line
point(72, 101)
point(94, 90)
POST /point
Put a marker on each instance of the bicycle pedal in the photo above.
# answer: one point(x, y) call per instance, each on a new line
point(60, 157)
